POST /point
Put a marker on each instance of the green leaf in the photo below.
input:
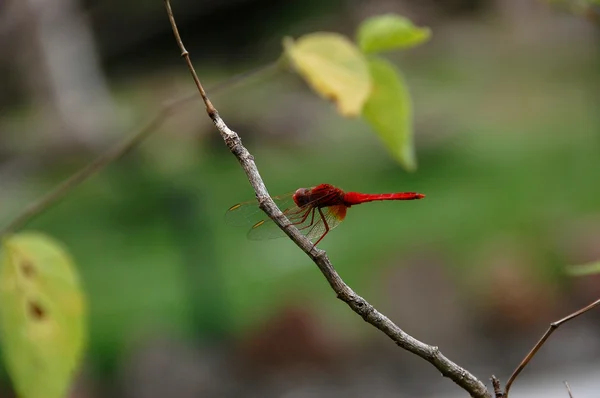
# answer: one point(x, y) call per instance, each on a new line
point(583, 270)
point(43, 311)
point(390, 32)
point(334, 67)
point(389, 111)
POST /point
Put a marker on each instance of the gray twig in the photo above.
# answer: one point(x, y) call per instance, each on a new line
point(553, 326)
point(359, 305)
point(568, 389)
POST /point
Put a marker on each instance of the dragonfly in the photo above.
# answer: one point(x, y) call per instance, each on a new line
point(314, 211)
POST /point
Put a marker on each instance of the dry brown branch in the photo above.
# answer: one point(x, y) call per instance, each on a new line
point(359, 305)
point(540, 343)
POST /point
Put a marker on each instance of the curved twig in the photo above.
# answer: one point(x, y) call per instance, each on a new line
point(61, 190)
point(553, 326)
point(121, 149)
point(359, 305)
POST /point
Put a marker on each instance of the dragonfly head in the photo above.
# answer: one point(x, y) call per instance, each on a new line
point(301, 197)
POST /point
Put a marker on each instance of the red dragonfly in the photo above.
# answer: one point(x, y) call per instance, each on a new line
point(314, 211)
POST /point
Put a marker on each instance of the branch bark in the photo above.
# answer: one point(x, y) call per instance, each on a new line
point(359, 305)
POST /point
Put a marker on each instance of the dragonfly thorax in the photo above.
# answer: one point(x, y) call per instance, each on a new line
point(323, 195)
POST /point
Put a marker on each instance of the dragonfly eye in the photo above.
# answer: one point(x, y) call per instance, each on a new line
point(302, 196)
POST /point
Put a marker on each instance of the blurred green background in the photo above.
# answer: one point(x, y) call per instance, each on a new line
point(506, 98)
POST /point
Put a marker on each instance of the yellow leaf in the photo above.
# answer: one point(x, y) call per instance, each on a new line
point(334, 67)
point(43, 312)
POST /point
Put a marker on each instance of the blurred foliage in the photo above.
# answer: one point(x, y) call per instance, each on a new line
point(584, 269)
point(338, 70)
point(389, 32)
point(584, 8)
point(508, 144)
point(42, 308)
point(504, 174)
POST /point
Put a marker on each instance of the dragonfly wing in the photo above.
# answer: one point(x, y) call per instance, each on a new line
point(308, 220)
point(332, 217)
point(248, 213)
point(267, 229)
point(312, 221)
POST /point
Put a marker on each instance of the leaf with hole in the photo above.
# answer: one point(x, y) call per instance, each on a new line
point(334, 67)
point(390, 32)
point(43, 313)
point(389, 111)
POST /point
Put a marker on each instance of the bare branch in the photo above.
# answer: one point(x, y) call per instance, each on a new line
point(540, 343)
point(359, 305)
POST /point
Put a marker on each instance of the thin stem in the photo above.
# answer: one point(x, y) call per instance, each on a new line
point(553, 326)
point(568, 390)
point(61, 190)
point(210, 109)
point(358, 304)
point(232, 81)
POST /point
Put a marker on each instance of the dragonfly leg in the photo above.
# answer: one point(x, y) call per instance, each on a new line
point(312, 220)
point(326, 226)
point(293, 217)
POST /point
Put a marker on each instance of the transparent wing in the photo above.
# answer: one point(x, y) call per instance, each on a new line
point(248, 213)
point(331, 217)
point(267, 229)
point(312, 221)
